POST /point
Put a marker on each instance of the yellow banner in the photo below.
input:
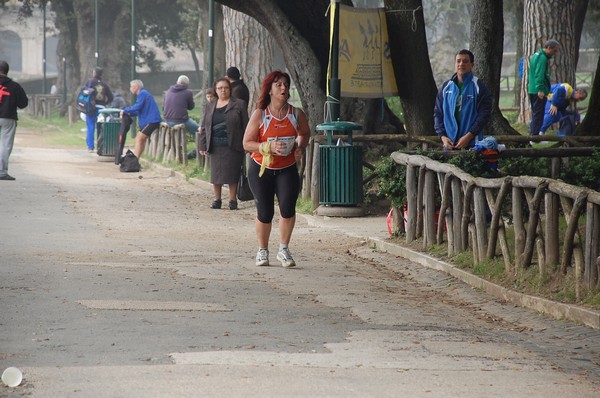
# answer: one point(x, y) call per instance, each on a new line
point(365, 64)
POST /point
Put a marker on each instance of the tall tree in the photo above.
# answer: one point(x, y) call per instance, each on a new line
point(249, 47)
point(544, 20)
point(591, 123)
point(487, 36)
point(292, 25)
point(408, 44)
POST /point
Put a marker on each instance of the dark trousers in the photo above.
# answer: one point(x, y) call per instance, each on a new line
point(537, 113)
point(126, 123)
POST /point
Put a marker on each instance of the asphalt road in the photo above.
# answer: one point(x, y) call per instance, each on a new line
point(129, 285)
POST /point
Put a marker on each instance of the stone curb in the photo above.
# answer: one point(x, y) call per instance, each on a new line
point(584, 316)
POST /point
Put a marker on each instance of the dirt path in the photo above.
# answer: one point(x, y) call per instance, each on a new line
point(132, 278)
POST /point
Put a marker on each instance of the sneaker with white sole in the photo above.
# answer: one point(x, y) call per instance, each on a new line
point(286, 259)
point(262, 258)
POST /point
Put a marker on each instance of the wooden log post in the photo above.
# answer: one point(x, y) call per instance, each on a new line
point(480, 210)
point(592, 245)
point(161, 141)
point(551, 228)
point(496, 216)
point(446, 198)
point(411, 198)
point(457, 212)
point(466, 215)
point(572, 219)
point(176, 139)
point(518, 224)
point(429, 219)
point(420, 188)
point(532, 224)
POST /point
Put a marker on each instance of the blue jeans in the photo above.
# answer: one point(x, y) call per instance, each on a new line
point(90, 122)
point(190, 125)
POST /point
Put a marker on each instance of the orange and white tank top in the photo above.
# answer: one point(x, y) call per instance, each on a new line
point(285, 129)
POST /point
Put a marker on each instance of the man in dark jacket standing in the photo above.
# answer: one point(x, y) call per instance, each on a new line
point(179, 99)
point(12, 96)
point(239, 89)
point(103, 98)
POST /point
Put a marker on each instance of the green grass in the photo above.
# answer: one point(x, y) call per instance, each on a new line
point(56, 129)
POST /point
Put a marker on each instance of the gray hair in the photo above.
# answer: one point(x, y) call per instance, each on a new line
point(551, 44)
point(582, 91)
point(137, 83)
point(183, 79)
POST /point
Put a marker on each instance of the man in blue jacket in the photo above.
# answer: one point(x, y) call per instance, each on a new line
point(146, 109)
point(561, 97)
point(463, 106)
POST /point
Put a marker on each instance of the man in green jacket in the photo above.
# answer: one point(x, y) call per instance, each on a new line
point(539, 84)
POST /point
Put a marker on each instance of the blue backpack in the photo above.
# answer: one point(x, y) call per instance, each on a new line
point(86, 100)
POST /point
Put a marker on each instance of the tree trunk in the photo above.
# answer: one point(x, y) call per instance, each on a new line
point(578, 19)
point(591, 123)
point(487, 27)
point(302, 63)
point(249, 47)
point(544, 20)
point(518, 50)
point(408, 45)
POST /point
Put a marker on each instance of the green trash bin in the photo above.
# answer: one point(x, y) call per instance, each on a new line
point(340, 181)
point(109, 123)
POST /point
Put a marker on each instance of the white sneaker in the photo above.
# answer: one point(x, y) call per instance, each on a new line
point(286, 259)
point(262, 258)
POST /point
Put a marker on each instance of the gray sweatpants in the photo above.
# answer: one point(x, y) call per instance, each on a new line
point(7, 139)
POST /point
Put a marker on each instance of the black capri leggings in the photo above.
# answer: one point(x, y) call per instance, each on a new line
point(284, 183)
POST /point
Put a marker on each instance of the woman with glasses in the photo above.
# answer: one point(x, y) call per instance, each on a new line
point(221, 136)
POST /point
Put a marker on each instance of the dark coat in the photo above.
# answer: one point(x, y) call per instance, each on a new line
point(236, 119)
point(239, 90)
point(12, 96)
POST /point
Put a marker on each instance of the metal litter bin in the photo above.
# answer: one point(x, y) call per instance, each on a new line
point(341, 166)
point(109, 123)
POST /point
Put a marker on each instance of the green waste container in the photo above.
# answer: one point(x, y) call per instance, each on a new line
point(341, 166)
point(109, 123)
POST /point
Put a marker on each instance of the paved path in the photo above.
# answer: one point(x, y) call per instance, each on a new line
point(128, 285)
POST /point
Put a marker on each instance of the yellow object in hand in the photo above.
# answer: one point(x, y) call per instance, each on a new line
point(265, 150)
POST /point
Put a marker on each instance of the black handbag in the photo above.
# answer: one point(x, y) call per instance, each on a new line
point(244, 193)
point(130, 163)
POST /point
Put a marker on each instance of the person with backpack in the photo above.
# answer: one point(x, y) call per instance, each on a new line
point(102, 96)
point(12, 96)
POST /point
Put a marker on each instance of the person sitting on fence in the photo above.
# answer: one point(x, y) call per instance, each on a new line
point(179, 99)
point(562, 96)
